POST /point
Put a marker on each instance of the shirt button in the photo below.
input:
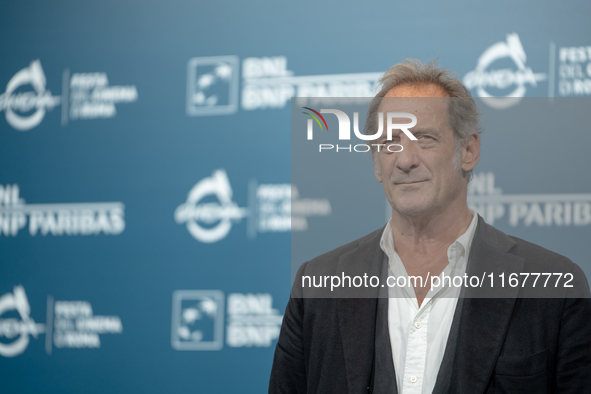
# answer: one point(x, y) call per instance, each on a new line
point(413, 379)
point(418, 325)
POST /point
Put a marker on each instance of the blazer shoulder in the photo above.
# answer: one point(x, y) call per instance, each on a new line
point(541, 260)
point(538, 256)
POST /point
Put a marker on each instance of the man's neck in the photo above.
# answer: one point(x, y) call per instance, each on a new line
point(429, 234)
point(422, 243)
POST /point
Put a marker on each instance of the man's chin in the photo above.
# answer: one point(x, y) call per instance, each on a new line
point(412, 207)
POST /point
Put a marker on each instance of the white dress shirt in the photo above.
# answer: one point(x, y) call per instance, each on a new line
point(418, 334)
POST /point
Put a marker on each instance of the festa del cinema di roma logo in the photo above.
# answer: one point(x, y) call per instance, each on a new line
point(209, 212)
point(70, 324)
point(84, 96)
point(18, 330)
point(345, 129)
point(224, 212)
point(485, 77)
point(18, 105)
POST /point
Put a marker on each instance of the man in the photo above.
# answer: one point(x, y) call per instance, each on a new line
point(430, 340)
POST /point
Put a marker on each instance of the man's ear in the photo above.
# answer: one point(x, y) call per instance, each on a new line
point(376, 167)
point(471, 152)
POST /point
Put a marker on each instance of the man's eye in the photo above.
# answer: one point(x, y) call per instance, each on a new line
point(426, 137)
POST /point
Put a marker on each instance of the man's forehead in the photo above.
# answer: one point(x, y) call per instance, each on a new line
point(421, 90)
point(428, 101)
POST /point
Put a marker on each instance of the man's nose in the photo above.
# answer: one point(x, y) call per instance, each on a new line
point(408, 159)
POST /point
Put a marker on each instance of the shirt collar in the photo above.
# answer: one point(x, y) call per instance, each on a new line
point(459, 248)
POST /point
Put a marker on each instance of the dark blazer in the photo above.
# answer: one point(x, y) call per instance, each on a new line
point(496, 345)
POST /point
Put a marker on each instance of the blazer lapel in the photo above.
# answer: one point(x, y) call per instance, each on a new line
point(483, 322)
point(357, 316)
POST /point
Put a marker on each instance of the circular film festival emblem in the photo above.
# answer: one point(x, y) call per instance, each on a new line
point(210, 221)
point(11, 328)
point(482, 77)
point(18, 105)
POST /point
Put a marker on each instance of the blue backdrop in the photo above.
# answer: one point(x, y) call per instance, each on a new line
point(145, 172)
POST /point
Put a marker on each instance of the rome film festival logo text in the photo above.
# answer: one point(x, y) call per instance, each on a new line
point(85, 96)
point(69, 324)
point(210, 212)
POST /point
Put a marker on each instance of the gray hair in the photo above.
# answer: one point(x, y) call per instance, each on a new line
point(461, 111)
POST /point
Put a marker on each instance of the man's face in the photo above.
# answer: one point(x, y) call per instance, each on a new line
point(422, 179)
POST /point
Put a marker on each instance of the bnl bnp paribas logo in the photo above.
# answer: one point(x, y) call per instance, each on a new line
point(27, 98)
point(198, 320)
point(90, 218)
point(539, 210)
point(210, 211)
point(501, 77)
point(214, 86)
point(69, 324)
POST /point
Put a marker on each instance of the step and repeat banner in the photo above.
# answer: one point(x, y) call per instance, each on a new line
point(146, 186)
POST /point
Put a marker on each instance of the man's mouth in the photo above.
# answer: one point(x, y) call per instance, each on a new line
point(407, 183)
